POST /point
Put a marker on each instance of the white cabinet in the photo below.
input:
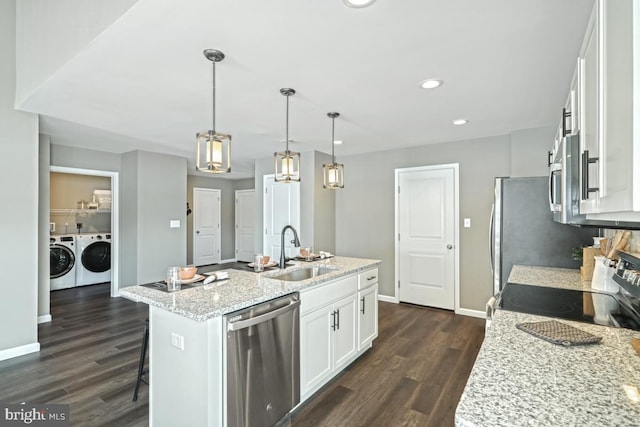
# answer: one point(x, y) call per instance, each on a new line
point(367, 316)
point(367, 308)
point(609, 95)
point(327, 342)
point(335, 327)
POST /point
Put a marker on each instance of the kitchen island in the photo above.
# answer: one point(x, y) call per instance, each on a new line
point(188, 337)
point(521, 380)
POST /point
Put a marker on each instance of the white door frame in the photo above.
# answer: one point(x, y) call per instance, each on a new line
point(115, 218)
point(456, 231)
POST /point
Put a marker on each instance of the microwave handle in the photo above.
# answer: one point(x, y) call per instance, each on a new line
point(555, 168)
point(565, 115)
point(492, 255)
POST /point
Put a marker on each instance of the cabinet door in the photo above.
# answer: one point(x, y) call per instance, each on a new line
point(616, 192)
point(315, 348)
point(367, 316)
point(345, 334)
point(591, 113)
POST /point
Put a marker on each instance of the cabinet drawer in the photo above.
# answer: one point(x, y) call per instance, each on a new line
point(327, 294)
point(367, 278)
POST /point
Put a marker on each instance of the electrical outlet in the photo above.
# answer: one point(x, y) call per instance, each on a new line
point(177, 341)
point(467, 222)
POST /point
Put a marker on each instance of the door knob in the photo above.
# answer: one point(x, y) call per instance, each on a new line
point(449, 246)
point(197, 231)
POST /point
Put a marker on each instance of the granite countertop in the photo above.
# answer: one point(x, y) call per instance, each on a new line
point(243, 289)
point(565, 278)
point(520, 380)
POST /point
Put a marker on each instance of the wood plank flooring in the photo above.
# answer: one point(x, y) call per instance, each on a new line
point(413, 375)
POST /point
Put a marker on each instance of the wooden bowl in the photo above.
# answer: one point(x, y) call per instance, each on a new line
point(265, 259)
point(187, 273)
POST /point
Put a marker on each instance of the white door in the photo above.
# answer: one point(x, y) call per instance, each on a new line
point(425, 220)
point(245, 224)
point(206, 226)
point(367, 316)
point(281, 207)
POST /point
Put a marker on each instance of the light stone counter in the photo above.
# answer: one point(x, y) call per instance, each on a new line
point(565, 278)
point(243, 289)
point(520, 380)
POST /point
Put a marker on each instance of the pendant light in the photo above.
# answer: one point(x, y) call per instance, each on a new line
point(333, 172)
point(213, 153)
point(287, 163)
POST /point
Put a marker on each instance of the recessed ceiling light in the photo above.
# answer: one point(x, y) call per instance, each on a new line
point(337, 142)
point(460, 122)
point(358, 3)
point(430, 83)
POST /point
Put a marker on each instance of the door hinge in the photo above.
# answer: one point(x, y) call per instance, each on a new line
point(265, 231)
point(265, 190)
point(398, 189)
point(398, 237)
point(398, 284)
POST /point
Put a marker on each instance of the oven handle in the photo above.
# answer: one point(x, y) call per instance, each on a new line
point(242, 324)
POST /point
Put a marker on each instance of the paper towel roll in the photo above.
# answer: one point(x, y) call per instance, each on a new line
point(603, 276)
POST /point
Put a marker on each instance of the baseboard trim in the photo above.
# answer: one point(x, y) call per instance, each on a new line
point(44, 319)
point(226, 261)
point(385, 298)
point(10, 353)
point(471, 313)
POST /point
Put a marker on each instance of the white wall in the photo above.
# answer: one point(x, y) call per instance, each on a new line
point(19, 205)
point(44, 313)
point(50, 33)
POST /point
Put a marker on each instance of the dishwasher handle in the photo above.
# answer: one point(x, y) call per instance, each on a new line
point(242, 324)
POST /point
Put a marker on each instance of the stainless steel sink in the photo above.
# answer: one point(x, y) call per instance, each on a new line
point(303, 274)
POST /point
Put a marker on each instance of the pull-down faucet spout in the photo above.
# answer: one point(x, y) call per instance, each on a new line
point(295, 241)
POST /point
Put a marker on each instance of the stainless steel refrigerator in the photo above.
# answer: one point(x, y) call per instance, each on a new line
point(523, 231)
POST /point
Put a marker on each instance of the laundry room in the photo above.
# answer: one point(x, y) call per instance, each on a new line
point(80, 230)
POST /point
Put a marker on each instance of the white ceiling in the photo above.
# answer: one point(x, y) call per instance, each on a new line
point(143, 83)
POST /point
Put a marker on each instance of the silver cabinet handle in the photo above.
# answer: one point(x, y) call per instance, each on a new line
point(241, 324)
point(362, 299)
point(338, 322)
point(371, 278)
point(333, 320)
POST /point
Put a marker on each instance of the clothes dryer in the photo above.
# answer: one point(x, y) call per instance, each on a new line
point(94, 258)
point(62, 262)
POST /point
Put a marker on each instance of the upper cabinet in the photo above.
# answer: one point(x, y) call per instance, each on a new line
point(608, 86)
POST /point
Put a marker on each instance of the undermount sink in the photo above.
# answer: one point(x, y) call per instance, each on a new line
point(303, 274)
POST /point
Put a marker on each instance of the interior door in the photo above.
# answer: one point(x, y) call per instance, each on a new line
point(281, 207)
point(206, 226)
point(426, 236)
point(245, 228)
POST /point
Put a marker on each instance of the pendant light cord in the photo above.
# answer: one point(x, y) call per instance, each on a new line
point(333, 139)
point(213, 110)
point(287, 127)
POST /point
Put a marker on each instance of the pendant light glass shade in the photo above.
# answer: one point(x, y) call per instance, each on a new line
point(287, 163)
point(213, 149)
point(333, 172)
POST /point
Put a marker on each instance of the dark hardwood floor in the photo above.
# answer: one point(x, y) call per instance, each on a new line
point(413, 375)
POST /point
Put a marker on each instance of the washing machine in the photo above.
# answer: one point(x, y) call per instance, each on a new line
point(93, 251)
point(62, 261)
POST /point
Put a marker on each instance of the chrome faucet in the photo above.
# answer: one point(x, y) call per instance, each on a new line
point(295, 241)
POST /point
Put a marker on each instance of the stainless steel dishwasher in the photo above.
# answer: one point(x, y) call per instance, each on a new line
point(263, 362)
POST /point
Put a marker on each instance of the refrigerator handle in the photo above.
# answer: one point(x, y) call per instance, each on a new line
point(491, 225)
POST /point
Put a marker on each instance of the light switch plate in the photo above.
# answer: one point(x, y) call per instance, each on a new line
point(177, 341)
point(174, 223)
point(467, 222)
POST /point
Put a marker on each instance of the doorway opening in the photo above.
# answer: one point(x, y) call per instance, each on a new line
point(114, 222)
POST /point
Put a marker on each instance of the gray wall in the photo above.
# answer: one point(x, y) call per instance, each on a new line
point(154, 194)
point(19, 202)
point(43, 225)
point(82, 158)
point(365, 217)
point(227, 189)
point(365, 208)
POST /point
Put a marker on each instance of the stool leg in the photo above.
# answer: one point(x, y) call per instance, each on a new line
point(143, 355)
